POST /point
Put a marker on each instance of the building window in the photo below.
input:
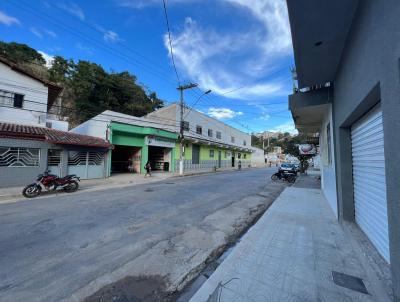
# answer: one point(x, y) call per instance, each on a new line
point(244, 156)
point(19, 157)
point(185, 125)
point(226, 154)
point(210, 133)
point(232, 139)
point(199, 130)
point(244, 143)
point(53, 157)
point(219, 135)
point(328, 143)
point(211, 153)
point(239, 155)
point(10, 99)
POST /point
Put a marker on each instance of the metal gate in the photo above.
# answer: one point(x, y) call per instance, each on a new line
point(54, 161)
point(195, 154)
point(369, 183)
point(86, 164)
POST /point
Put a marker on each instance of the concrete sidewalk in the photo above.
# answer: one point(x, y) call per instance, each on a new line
point(118, 180)
point(290, 254)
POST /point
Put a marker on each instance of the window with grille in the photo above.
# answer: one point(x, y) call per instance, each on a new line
point(10, 99)
point(53, 157)
point(210, 133)
point(218, 135)
point(244, 143)
point(185, 126)
point(199, 130)
point(95, 158)
point(83, 158)
point(19, 157)
point(211, 153)
point(232, 139)
point(77, 158)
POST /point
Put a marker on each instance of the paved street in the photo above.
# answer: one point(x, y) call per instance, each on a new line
point(67, 247)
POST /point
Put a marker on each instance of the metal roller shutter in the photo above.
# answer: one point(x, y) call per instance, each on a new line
point(369, 183)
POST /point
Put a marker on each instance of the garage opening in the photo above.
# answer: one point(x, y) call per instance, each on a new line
point(125, 159)
point(160, 158)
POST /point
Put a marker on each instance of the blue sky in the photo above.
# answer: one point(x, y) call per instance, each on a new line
point(239, 49)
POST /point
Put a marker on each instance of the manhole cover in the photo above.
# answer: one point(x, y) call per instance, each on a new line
point(349, 282)
point(169, 183)
point(149, 190)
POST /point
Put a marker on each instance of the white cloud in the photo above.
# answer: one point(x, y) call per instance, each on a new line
point(73, 9)
point(285, 127)
point(40, 33)
point(84, 48)
point(8, 20)
point(50, 33)
point(36, 32)
point(223, 61)
point(139, 4)
point(223, 113)
point(48, 58)
point(111, 36)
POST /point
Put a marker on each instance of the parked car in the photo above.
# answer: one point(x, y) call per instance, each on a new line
point(286, 167)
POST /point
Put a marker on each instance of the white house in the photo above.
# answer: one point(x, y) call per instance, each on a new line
point(26, 98)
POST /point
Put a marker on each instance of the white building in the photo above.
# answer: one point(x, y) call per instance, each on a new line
point(26, 99)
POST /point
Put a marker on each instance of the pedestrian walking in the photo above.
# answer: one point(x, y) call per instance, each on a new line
point(147, 166)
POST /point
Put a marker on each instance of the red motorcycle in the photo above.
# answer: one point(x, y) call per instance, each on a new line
point(51, 182)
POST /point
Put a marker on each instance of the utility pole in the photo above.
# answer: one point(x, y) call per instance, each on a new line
point(181, 88)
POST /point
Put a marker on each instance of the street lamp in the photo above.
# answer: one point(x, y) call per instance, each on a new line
point(195, 103)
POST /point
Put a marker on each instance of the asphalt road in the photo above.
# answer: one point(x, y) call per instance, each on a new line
point(68, 246)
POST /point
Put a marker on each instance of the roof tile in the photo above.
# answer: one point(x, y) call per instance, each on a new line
point(51, 135)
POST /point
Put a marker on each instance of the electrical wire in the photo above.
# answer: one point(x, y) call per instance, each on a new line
point(170, 42)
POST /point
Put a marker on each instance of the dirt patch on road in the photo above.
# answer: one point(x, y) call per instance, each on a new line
point(132, 289)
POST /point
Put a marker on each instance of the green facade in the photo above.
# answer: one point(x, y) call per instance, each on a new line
point(205, 152)
point(134, 136)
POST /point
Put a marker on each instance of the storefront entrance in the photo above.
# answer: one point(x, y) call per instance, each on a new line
point(160, 158)
point(125, 159)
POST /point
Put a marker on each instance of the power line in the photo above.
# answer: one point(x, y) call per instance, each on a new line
point(104, 47)
point(170, 42)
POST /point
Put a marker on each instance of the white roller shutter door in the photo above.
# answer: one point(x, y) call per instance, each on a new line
point(369, 179)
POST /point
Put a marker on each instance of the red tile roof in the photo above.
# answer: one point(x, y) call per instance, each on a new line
point(50, 135)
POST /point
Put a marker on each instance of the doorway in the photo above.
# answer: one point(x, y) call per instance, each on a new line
point(159, 158)
point(125, 159)
point(233, 159)
point(219, 159)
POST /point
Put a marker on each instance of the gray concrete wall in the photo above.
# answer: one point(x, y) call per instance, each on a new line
point(369, 73)
point(20, 176)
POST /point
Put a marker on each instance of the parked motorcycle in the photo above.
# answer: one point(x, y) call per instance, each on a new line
point(51, 182)
point(284, 175)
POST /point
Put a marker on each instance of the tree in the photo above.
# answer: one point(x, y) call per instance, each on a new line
point(88, 88)
point(291, 146)
point(21, 53)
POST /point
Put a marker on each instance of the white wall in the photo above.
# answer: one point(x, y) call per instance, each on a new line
point(92, 127)
point(196, 118)
point(35, 98)
point(58, 125)
point(257, 157)
point(328, 173)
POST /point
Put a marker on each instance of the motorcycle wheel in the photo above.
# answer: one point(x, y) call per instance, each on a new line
point(291, 179)
point(274, 177)
point(73, 186)
point(31, 191)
